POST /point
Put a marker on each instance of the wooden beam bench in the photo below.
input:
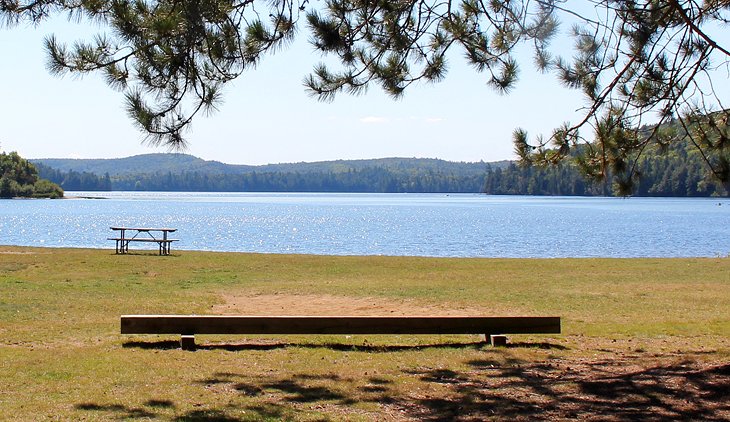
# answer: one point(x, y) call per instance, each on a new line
point(189, 325)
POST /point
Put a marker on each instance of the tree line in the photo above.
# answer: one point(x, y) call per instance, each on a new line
point(679, 171)
point(377, 176)
point(375, 180)
point(74, 180)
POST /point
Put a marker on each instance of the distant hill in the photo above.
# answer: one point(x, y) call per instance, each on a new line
point(181, 172)
point(184, 163)
point(679, 171)
point(143, 164)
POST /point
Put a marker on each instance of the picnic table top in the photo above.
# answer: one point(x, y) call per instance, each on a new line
point(144, 229)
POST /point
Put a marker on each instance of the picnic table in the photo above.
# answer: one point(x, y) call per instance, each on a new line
point(142, 234)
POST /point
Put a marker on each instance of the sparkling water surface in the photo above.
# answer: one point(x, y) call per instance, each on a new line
point(444, 225)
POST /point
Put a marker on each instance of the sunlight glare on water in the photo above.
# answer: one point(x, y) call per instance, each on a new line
point(454, 225)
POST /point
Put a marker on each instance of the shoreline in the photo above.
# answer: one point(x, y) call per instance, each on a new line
point(178, 251)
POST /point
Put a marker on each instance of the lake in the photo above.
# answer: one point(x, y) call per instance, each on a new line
point(442, 225)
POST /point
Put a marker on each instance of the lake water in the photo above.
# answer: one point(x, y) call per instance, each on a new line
point(444, 225)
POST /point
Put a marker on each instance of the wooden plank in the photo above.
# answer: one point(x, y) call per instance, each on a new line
point(144, 229)
point(225, 324)
point(142, 239)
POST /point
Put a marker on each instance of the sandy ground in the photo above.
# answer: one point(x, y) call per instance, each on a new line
point(329, 305)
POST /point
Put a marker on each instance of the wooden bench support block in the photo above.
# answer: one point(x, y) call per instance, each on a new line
point(498, 340)
point(187, 342)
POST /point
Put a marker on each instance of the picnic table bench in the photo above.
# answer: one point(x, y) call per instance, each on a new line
point(142, 234)
point(188, 325)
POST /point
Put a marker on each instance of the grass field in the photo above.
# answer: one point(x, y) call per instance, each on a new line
point(642, 338)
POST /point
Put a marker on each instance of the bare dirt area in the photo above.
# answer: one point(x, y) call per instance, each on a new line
point(593, 379)
point(9, 252)
point(327, 305)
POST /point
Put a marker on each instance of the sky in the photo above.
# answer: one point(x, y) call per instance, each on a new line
point(267, 116)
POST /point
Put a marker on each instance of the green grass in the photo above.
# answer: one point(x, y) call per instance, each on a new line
point(62, 357)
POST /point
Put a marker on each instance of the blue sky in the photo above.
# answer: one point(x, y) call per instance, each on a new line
point(267, 117)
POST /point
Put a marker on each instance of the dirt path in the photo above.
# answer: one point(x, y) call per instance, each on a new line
point(330, 305)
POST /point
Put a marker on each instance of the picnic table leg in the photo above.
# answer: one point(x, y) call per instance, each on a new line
point(164, 245)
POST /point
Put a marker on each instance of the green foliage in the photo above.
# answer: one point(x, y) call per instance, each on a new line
point(674, 170)
point(43, 188)
point(19, 179)
point(373, 179)
point(75, 181)
point(619, 150)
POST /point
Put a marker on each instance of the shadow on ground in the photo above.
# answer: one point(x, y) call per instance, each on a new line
point(615, 389)
point(365, 347)
point(343, 347)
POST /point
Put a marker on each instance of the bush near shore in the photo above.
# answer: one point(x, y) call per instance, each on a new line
point(19, 179)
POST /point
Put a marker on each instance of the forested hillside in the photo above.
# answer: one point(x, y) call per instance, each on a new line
point(183, 163)
point(74, 180)
point(680, 171)
point(179, 172)
point(142, 164)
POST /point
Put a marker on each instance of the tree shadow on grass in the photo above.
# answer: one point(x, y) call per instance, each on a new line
point(258, 412)
point(499, 388)
point(120, 410)
point(512, 389)
point(601, 389)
